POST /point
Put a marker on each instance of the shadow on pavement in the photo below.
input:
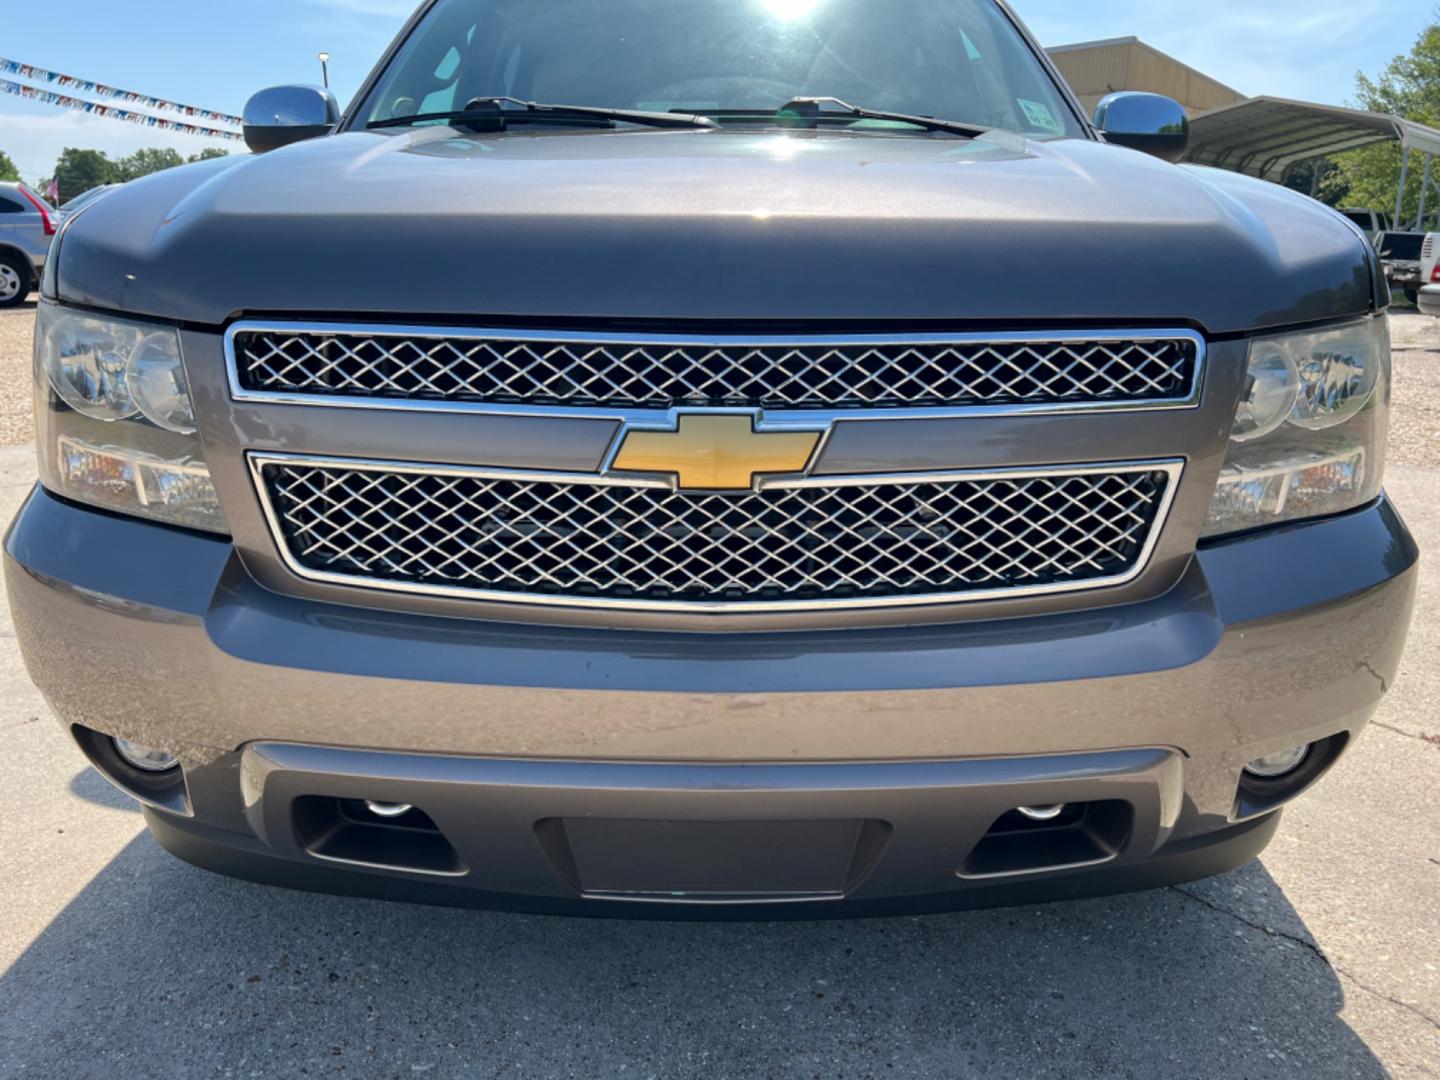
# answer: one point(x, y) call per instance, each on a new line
point(89, 785)
point(159, 969)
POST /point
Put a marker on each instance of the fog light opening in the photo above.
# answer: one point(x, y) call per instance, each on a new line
point(1269, 782)
point(1043, 813)
point(388, 810)
point(148, 759)
point(153, 776)
point(1274, 766)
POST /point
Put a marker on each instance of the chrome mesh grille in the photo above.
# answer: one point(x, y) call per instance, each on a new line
point(594, 542)
point(663, 373)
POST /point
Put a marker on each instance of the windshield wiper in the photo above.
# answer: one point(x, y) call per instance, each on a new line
point(492, 114)
point(805, 112)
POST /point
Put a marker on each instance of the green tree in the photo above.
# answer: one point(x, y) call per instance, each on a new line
point(80, 170)
point(147, 161)
point(1409, 88)
point(1320, 178)
point(7, 168)
point(210, 153)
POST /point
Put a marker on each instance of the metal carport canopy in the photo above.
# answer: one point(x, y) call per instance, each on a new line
point(1264, 136)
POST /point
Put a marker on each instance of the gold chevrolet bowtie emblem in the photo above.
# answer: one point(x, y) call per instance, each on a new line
point(716, 453)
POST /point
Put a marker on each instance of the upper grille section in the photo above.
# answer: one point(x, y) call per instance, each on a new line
point(503, 368)
point(798, 543)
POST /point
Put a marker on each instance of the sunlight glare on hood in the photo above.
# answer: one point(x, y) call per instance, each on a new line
point(790, 10)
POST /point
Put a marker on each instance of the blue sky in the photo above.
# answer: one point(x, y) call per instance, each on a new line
point(215, 54)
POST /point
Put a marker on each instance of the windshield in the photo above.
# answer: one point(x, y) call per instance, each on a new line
point(950, 59)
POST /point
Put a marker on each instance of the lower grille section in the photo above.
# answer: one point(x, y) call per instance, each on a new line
point(812, 543)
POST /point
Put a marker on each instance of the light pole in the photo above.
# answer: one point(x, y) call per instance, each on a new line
point(325, 68)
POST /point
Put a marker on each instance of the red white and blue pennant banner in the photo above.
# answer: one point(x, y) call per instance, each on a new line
point(160, 123)
point(86, 86)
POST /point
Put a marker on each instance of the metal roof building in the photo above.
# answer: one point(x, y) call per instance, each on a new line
point(1096, 68)
point(1263, 136)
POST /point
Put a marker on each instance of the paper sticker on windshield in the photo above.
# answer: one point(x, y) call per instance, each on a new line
point(1040, 116)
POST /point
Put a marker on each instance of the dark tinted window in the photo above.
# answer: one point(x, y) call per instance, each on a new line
point(1403, 246)
point(9, 206)
point(955, 59)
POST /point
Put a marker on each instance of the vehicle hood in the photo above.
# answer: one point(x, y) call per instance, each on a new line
point(714, 225)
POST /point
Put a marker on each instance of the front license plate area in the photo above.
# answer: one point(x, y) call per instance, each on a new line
point(716, 861)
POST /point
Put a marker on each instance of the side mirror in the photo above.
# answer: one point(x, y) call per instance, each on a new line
point(289, 114)
point(1146, 122)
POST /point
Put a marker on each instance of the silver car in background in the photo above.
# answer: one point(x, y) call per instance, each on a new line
point(27, 225)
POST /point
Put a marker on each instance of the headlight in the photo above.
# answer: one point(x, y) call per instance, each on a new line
point(1272, 385)
point(116, 426)
point(1309, 435)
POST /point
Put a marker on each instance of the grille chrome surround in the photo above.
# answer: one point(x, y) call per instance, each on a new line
point(585, 540)
point(624, 376)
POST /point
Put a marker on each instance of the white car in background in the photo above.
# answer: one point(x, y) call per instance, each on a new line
point(1428, 300)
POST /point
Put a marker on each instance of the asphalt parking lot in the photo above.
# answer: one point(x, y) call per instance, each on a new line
point(1322, 959)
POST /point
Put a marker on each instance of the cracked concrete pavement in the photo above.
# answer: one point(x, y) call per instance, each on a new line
point(1322, 959)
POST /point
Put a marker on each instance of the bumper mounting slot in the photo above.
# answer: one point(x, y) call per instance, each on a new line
point(344, 831)
point(1084, 834)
